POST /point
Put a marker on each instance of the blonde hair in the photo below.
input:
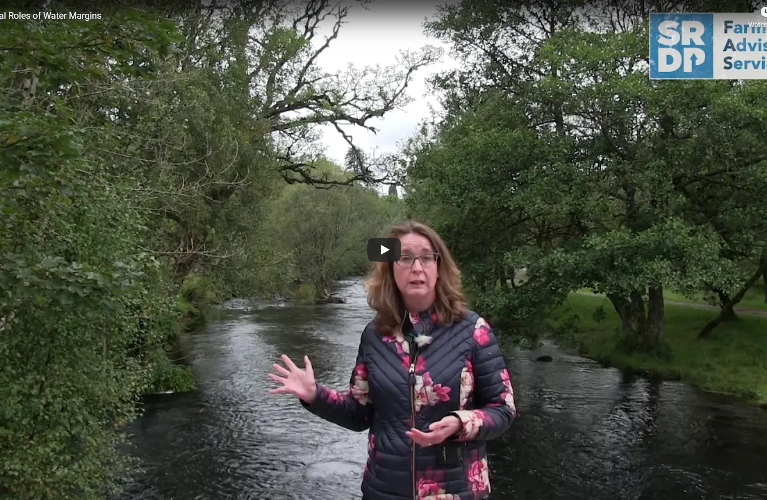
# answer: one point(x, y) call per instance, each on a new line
point(385, 298)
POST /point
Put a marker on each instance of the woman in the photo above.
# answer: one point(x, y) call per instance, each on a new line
point(430, 382)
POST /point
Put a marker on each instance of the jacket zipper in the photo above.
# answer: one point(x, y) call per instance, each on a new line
point(413, 358)
point(412, 415)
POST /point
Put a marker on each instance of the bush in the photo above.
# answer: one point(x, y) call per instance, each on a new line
point(307, 294)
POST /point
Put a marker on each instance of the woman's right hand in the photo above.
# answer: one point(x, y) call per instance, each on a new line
point(295, 381)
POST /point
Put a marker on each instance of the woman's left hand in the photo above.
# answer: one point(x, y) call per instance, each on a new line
point(440, 431)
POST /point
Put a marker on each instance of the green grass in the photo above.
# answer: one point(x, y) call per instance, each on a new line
point(733, 360)
point(753, 299)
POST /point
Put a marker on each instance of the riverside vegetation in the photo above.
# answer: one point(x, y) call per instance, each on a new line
point(166, 157)
point(156, 160)
point(579, 173)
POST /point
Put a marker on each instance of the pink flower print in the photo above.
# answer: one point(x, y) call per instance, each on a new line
point(432, 491)
point(479, 477)
point(508, 394)
point(440, 495)
point(403, 347)
point(399, 339)
point(441, 393)
point(420, 364)
point(428, 393)
point(359, 389)
point(371, 452)
point(433, 317)
point(420, 393)
point(509, 399)
point(482, 332)
point(334, 396)
point(436, 392)
point(429, 486)
point(472, 420)
point(414, 318)
point(467, 385)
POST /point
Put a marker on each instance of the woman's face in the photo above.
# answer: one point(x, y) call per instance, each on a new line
point(417, 283)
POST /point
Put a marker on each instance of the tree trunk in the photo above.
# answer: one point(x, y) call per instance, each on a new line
point(29, 89)
point(622, 308)
point(630, 312)
point(503, 279)
point(638, 312)
point(727, 309)
point(713, 323)
point(764, 279)
point(322, 288)
point(656, 313)
point(184, 265)
point(728, 313)
point(644, 330)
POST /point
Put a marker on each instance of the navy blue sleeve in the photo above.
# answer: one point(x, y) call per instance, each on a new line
point(353, 410)
point(493, 395)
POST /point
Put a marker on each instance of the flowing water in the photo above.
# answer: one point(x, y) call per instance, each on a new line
point(583, 432)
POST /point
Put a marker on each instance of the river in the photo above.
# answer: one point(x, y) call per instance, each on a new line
point(583, 431)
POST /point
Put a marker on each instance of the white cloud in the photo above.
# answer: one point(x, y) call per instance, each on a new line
point(376, 36)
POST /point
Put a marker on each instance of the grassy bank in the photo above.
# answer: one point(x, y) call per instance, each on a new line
point(732, 361)
point(752, 300)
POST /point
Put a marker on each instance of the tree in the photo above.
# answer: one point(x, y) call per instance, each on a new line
point(581, 177)
point(139, 150)
point(76, 295)
point(249, 98)
point(279, 45)
point(324, 231)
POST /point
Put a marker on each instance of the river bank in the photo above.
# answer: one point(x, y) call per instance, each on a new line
point(732, 361)
point(583, 432)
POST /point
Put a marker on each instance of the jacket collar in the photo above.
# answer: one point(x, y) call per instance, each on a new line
point(415, 326)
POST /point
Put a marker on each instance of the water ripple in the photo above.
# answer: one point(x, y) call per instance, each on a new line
point(583, 432)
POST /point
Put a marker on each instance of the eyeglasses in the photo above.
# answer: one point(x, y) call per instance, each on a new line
point(427, 260)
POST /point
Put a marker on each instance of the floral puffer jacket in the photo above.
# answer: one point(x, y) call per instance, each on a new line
point(455, 369)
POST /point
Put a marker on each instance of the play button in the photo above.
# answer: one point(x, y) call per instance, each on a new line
point(384, 249)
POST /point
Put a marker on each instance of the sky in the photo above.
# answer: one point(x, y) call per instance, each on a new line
point(376, 36)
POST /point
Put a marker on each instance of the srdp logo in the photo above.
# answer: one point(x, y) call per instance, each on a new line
point(384, 249)
point(681, 46)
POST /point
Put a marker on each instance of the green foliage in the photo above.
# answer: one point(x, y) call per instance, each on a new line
point(732, 361)
point(142, 165)
point(80, 304)
point(319, 235)
point(558, 159)
point(307, 294)
point(196, 290)
point(167, 375)
point(195, 294)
